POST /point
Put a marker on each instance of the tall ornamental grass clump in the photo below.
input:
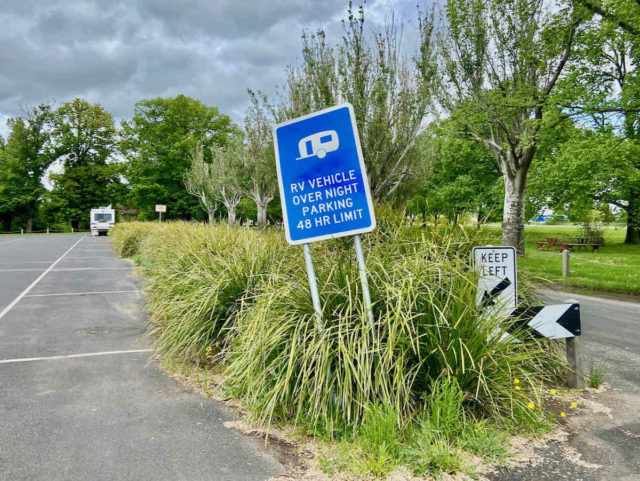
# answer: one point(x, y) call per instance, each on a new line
point(196, 277)
point(426, 328)
point(243, 295)
point(127, 236)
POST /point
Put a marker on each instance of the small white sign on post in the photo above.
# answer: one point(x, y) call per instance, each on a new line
point(160, 208)
point(498, 284)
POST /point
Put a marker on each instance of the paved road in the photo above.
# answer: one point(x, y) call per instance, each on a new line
point(111, 416)
point(604, 442)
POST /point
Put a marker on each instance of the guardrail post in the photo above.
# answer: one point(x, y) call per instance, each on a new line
point(565, 263)
point(574, 358)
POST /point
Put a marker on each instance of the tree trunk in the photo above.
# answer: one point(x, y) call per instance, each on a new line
point(30, 224)
point(633, 218)
point(212, 215)
point(7, 217)
point(515, 188)
point(424, 218)
point(435, 220)
point(231, 210)
point(262, 212)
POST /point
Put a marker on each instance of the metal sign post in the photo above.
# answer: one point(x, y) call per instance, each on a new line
point(323, 184)
point(313, 286)
point(363, 278)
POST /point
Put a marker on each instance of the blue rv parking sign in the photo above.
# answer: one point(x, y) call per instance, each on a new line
point(321, 174)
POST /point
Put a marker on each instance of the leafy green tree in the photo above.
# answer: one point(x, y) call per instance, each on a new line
point(391, 95)
point(591, 168)
point(603, 91)
point(82, 140)
point(158, 143)
point(417, 205)
point(458, 176)
point(501, 62)
point(624, 13)
point(23, 162)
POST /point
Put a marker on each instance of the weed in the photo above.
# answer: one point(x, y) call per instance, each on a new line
point(596, 374)
point(482, 439)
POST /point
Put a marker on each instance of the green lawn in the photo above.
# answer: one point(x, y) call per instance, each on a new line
point(616, 268)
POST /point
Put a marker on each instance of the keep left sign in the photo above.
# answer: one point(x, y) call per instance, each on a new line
point(497, 282)
point(321, 174)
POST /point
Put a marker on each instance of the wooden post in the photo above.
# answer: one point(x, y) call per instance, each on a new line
point(72, 230)
point(574, 357)
point(565, 263)
point(21, 231)
point(47, 230)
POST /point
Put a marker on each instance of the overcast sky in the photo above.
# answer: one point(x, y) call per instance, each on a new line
point(116, 52)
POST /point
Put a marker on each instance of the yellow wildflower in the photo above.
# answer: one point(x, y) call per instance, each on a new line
point(553, 391)
point(531, 405)
point(563, 414)
point(574, 404)
point(517, 388)
point(516, 381)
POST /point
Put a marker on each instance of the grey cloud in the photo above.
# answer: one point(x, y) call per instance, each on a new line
point(117, 52)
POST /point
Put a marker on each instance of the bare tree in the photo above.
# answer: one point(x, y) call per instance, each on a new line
point(259, 163)
point(197, 182)
point(220, 180)
point(390, 94)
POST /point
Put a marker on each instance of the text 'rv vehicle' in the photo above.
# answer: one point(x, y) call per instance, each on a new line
point(318, 144)
point(102, 220)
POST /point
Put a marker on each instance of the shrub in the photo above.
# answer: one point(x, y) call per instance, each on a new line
point(196, 277)
point(591, 234)
point(127, 236)
point(240, 298)
point(426, 326)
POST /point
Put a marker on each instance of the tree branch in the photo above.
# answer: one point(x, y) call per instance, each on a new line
point(611, 16)
point(563, 61)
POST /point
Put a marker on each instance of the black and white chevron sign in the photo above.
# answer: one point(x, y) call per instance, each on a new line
point(558, 321)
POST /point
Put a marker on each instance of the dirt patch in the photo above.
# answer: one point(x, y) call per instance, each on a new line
point(300, 455)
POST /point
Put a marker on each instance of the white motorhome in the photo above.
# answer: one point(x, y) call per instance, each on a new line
point(102, 220)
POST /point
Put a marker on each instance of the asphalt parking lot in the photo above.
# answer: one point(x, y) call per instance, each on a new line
point(80, 398)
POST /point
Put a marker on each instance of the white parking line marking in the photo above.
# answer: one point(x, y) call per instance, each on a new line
point(9, 242)
point(90, 269)
point(32, 285)
point(21, 269)
point(72, 356)
point(91, 257)
point(27, 262)
point(79, 293)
